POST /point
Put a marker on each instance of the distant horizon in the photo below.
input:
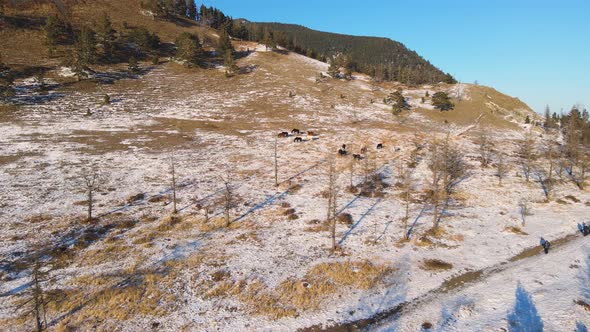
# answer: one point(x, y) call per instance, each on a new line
point(531, 50)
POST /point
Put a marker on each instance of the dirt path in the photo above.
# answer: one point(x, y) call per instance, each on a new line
point(450, 286)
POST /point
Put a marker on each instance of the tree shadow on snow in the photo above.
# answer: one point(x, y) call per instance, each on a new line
point(524, 316)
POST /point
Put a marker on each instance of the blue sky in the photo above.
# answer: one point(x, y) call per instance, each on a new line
point(538, 51)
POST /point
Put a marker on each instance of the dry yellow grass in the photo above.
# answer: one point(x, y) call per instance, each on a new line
point(423, 241)
point(248, 237)
point(293, 295)
point(435, 265)
point(457, 237)
point(515, 230)
point(110, 252)
point(213, 224)
point(483, 100)
point(143, 294)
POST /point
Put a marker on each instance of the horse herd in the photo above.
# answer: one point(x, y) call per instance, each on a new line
point(297, 133)
point(341, 152)
point(357, 156)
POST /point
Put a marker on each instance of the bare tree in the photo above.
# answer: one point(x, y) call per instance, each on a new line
point(448, 169)
point(207, 213)
point(485, 149)
point(36, 301)
point(459, 92)
point(525, 210)
point(228, 198)
point(584, 165)
point(91, 180)
point(173, 183)
point(276, 164)
point(332, 192)
point(352, 161)
point(406, 182)
point(368, 171)
point(436, 167)
point(501, 168)
point(572, 138)
point(550, 154)
point(527, 154)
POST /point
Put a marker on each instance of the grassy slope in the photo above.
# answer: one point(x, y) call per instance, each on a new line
point(25, 44)
point(495, 106)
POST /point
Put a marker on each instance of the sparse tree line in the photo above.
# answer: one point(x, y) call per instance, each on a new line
point(440, 100)
point(568, 157)
point(447, 166)
point(171, 8)
point(562, 153)
point(103, 44)
point(100, 43)
point(381, 58)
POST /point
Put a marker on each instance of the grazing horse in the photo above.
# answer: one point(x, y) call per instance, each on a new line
point(364, 150)
point(343, 146)
point(379, 146)
point(295, 131)
point(342, 152)
point(298, 139)
point(357, 156)
point(283, 134)
point(310, 133)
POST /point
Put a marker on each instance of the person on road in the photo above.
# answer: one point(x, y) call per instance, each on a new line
point(546, 245)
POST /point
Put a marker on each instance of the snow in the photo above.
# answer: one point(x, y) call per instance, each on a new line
point(213, 127)
point(537, 292)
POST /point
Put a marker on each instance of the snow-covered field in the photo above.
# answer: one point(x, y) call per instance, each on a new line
point(213, 129)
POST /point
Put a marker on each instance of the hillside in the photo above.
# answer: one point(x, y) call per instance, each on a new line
point(170, 198)
point(379, 57)
point(22, 40)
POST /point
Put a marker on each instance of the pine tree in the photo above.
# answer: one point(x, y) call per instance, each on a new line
point(334, 69)
point(154, 6)
point(397, 101)
point(146, 40)
point(6, 80)
point(268, 39)
point(133, 65)
point(203, 14)
point(192, 10)
point(549, 123)
point(181, 8)
point(56, 33)
point(229, 63)
point(105, 36)
point(84, 52)
point(527, 120)
point(169, 7)
point(442, 101)
point(224, 43)
point(188, 48)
